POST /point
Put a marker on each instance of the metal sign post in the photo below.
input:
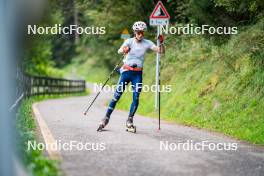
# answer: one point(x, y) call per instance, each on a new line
point(159, 17)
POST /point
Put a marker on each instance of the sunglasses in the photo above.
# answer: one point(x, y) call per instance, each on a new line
point(139, 32)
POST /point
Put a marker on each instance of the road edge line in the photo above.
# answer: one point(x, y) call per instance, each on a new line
point(46, 134)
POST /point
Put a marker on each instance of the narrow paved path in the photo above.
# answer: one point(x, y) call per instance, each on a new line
point(128, 154)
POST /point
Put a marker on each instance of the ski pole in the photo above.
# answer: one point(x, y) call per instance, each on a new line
point(104, 84)
point(160, 37)
point(159, 88)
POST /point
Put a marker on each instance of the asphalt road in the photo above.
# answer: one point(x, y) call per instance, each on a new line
point(123, 153)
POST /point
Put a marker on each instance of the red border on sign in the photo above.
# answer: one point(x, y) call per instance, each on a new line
point(164, 10)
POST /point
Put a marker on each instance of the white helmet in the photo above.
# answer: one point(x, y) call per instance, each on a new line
point(139, 26)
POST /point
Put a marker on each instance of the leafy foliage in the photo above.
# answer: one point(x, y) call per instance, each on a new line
point(59, 50)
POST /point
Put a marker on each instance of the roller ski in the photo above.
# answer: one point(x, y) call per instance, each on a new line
point(129, 126)
point(103, 124)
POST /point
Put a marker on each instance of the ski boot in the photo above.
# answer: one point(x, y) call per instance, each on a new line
point(103, 123)
point(129, 125)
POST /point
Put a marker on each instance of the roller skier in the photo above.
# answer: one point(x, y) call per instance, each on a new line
point(131, 71)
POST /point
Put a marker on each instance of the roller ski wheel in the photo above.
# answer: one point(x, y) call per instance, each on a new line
point(131, 129)
point(103, 124)
point(129, 125)
point(100, 128)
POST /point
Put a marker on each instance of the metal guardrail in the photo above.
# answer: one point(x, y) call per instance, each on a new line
point(28, 85)
point(40, 85)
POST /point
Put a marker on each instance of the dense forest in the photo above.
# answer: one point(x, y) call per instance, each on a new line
point(217, 80)
point(59, 50)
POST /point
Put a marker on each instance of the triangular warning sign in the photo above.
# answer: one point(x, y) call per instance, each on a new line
point(160, 12)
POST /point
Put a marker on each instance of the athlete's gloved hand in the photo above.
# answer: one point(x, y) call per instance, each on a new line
point(126, 49)
point(161, 38)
